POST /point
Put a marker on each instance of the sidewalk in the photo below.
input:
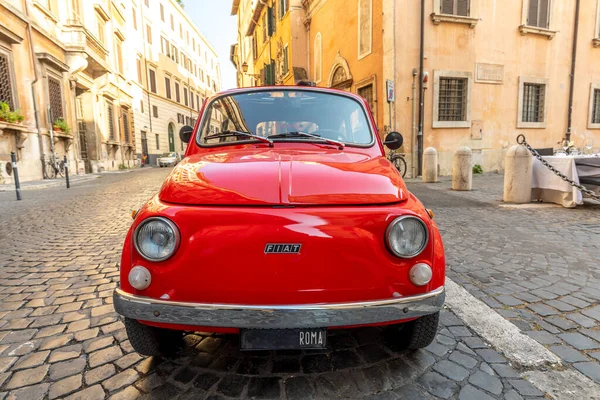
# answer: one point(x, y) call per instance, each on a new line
point(59, 182)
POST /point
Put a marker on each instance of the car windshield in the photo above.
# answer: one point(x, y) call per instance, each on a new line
point(169, 155)
point(275, 113)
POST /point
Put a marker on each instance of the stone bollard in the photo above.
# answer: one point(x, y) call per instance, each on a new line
point(462, 169)
point(430, 165)
point(517, 175)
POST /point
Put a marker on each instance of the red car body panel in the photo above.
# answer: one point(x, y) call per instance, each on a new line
point(229, 201)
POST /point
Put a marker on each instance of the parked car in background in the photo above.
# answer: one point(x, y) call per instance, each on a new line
point(287, 222)
point(169, 159)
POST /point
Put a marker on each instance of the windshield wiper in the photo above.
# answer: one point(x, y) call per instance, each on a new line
point(332, 142)
point(230, 133)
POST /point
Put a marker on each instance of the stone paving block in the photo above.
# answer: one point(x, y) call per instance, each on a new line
point(451, 370)
point(582, 320)
point(267, 388)
point(579, 341)
point(594, 334)
point(568, 353)
point(27, 377)
point(543, 337)
point(18, 336)
point(463, 359)
point(592, 313)
point(590, 369)
point(437, 349)
point(122, 379)
point(97, 344)
point(31, 360)
point(64, 387)
point(542, 309)
point(509, 300)
point(560, 322)
point(438, 385)
point(66, 368)
point(6, 362)
point(56, 341)
point(92, 393)
point(525, 388)
point(128, 360)
point(512, 395)
point(474, 342)
point(99, 374)
point(561, 306)
point(129, 393)
point(574, 301)
point(233, 385)
point(35, 392)
point(471, 393)
point(490, 356)
point(86, 334)
point(486, 382)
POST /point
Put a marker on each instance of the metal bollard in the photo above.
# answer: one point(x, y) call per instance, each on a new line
point(13, 159)
point(518, 168)
point(67, 173)
point(462, 169)
point(430, 165)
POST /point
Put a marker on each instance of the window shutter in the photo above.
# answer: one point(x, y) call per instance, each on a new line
point(544, 20)
point(271, 20)
point(273, 69)
point(447, 7)
point(532, 19)
point(462, 7)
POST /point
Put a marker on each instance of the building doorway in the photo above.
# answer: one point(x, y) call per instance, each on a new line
point(82, 129)
point(144, 148)
point(171, 137)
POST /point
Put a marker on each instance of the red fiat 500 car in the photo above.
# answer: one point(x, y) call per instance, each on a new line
point(284, 220)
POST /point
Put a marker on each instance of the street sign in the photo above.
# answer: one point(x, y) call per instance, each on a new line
point(391, 94)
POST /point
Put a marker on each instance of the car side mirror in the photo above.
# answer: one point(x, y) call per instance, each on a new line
point(394, 140)
point(185, 133)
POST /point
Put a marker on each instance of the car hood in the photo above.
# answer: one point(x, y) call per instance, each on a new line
point(269, 177)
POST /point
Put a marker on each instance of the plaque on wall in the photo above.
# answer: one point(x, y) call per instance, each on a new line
point(489, 73)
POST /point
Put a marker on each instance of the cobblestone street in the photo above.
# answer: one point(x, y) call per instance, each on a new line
point(60, 337)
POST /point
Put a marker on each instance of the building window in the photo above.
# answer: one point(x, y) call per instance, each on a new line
point(101, 28)
point(198, 102)
point(455, 7)
point(139, 71)
point(367, 92)
point(148, 34)
point(172, 23)
point(55, 98)
point(110, 120)
point(119, 54)
point(177, 95)
point(282, 7)
point(187, 37)
point(152, 80)
point(142, 106)
point(265, 27)
point(286, 61)
point(185, 96)
point(168, 87)
point(157, 141)
point(254, 46)
point(180, 31)
point(126, 126)
point(162, 12)
point(191, 99)
point(532, 104)
point(164, 46)
point(318, 57)
point(452, 99)
point(594, 112)
point(538, 13)
point(134, 18)
point(365, 27)
point(155, 111)
point(7, 87)
point(174, 54)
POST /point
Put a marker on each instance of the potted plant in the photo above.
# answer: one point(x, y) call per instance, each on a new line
point(6, 115)
point(61, 125)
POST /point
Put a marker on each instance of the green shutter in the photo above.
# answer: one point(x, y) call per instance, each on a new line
point(271, 20)
point(273, 69)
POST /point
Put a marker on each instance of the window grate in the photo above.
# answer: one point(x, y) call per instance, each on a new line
point(453, 99)
point(55, 95)
point(6, 90)
point(534, 95)
point(366, 92)
point(111, 120)
point(126, 130)
point(596, 107)
point(455, 7)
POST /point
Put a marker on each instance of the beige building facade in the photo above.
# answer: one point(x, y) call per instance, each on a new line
point(87, 64)
point(494, 69)
point(174, 70)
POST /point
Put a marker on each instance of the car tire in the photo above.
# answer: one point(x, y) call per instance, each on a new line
point(152, 341)
point(421, 332)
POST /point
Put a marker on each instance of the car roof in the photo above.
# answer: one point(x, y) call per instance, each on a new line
point(289, 87)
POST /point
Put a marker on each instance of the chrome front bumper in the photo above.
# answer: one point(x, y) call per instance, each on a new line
point(279, 316)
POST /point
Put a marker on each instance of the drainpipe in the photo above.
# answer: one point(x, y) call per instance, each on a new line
point(36, 111)
point(572, 76)
point(147, 73)
point(413, 131)
point(421, 97)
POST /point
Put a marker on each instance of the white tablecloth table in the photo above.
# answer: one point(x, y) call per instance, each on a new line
point(549, 188)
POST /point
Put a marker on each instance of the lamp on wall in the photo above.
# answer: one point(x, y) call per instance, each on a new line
point(245, 71)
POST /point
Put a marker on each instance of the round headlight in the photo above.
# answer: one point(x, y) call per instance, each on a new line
point(407, 236)
point(156, 239)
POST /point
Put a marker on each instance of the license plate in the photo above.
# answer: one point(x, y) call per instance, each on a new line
point(283, 339)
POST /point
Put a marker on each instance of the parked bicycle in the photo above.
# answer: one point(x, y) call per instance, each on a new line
point(398, 160)
point(54, 167)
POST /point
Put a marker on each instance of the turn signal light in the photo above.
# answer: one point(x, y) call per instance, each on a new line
point(430, 212)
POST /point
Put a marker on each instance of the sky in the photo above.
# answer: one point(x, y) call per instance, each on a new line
point(220, 29)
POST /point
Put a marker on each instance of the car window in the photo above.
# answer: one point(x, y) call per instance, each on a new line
point(274, 112)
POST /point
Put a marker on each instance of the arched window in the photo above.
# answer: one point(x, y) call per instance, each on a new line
point(318, 54)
